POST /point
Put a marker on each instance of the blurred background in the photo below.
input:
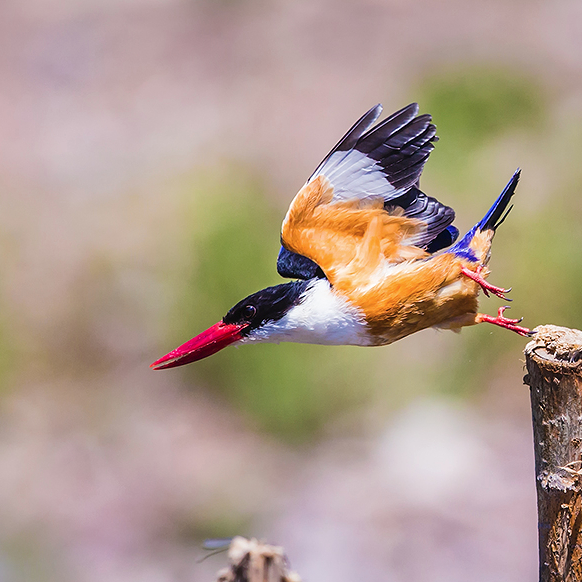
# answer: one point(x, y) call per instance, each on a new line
point(149, 150)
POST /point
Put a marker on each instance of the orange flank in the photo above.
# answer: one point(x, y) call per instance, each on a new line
point(369, 258)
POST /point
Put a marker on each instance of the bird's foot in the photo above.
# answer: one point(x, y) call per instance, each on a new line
point(487, 287)
point(505, 322)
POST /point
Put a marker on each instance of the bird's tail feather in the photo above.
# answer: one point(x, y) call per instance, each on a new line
point(497, 213)
point(491, 221)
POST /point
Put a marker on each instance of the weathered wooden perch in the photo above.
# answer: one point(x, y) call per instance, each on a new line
point(254, 561)
point(554, 366)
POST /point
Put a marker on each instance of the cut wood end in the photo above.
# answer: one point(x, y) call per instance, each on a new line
point(557, 344)
point(255, 561)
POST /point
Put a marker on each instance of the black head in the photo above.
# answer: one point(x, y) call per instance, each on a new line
point(264, 306)
point(269, 304)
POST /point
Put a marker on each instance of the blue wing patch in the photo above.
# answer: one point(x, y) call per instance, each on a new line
point(294, 266)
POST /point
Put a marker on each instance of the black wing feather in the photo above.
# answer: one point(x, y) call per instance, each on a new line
point(384, 151)
point(350, 139)
point(437, 217)
point(396, 149)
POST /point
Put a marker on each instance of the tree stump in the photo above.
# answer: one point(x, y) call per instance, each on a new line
point(554, 366)
point(255, 561)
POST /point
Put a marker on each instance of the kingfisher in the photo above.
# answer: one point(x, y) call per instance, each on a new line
point(373, 258)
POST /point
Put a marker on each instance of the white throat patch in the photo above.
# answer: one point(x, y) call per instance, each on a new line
point(322, 317)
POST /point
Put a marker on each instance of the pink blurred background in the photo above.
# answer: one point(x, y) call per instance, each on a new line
point(148, 152)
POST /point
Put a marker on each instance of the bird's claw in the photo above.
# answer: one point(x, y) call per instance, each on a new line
point(500, 315)
point(487, 287)
point(505, 322)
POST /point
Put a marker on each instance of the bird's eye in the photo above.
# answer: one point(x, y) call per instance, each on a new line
point(248, 312)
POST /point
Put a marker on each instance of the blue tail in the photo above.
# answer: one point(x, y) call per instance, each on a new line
point(494, 217)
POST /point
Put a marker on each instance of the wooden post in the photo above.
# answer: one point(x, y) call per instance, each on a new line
point(255, 561)
point(554, 374)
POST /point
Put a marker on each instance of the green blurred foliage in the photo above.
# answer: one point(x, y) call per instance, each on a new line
point(290, 390)
point(473, 105)
point(219, 520)
point(477, 103)
point(31, 556)
point(8, 352)
point(5, 360)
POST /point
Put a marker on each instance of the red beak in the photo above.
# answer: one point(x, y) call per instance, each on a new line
point(207, 343)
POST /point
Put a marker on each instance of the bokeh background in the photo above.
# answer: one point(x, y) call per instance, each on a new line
point(148, 152)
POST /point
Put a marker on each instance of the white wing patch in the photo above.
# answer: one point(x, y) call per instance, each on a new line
point(383, 161)
point(355, 174)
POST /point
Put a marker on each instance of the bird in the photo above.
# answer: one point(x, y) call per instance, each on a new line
point(373, 258)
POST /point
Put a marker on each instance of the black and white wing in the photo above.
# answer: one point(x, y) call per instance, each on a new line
point(382, 161)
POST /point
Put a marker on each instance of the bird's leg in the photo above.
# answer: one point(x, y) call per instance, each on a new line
point(501, 321)
point(487, 287)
